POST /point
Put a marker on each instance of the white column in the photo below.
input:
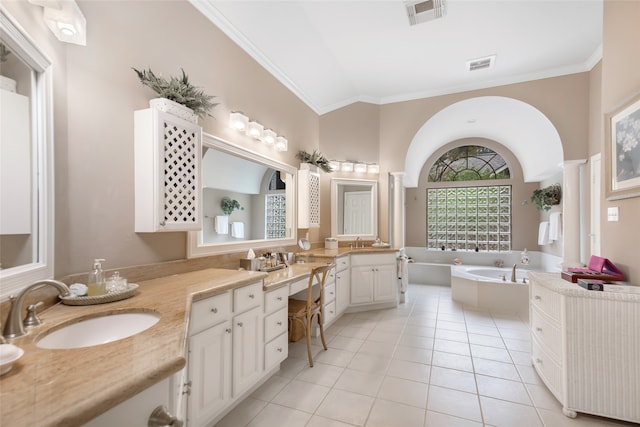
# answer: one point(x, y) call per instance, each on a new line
point(396, 209)
point(571, 216)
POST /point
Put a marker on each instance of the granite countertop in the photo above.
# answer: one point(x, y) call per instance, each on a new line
point(72, 386)
point(554, 281)
point(341, 251)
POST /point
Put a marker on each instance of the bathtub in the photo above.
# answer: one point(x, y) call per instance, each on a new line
point(485, 289)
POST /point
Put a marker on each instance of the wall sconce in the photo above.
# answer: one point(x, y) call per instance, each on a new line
point(252, 128)
point(65, 19)
point(350, 166)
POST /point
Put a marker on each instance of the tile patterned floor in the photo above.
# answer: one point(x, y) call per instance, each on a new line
point(430, 362)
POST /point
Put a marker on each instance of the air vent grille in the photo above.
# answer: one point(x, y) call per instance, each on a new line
point(481, 63)
point(424, 10)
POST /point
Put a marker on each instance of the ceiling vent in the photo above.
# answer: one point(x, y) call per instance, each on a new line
point(424, 10)
point(481, 63)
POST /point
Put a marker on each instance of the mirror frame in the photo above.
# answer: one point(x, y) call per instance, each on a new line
point(16, 38)
point(373, 186)
point(195, 246)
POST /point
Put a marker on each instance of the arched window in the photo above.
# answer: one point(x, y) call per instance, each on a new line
point(473, 216)
point(469, 163)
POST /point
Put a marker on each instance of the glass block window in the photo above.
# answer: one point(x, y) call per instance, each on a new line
point(463, 218)
point(275, 216)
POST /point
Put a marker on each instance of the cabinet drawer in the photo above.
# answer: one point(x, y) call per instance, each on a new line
point(546, 300)
point(547, 368)
point(247, 297)
point(373, 259)
point(342, 263)
point(276, 351)
point(547, 333)
point(275, 324)
point(209, 312)
point(329, 312)
point(329, 293)
point(298, 286)
point(273, 300)
point(331, 277)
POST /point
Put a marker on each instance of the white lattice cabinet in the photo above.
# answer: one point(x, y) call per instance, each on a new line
point(585, 346)
point(308, 197)
point(167, 172)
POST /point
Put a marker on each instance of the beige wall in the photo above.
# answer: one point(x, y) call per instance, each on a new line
point(620, 80)
point(95, 200)
point(96, 93)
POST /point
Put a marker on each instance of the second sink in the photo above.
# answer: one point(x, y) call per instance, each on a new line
point(98, 330)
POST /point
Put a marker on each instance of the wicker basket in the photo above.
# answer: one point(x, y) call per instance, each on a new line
point(296, 331)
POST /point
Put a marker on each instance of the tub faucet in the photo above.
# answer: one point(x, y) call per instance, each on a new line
point(513, 273)
point(14, 327)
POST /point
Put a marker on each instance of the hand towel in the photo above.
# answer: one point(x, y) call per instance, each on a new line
point(543, 233)
point(555, 226)
point(222, 224)
point(237, 230)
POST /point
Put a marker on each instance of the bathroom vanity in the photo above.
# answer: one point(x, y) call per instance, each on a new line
point(585, 345)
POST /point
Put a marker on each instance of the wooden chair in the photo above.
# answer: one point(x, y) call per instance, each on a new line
point(303, 311)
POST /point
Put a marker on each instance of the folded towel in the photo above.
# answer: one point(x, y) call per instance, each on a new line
point(555, 226)
point(237, 230)
point(543, 233)
point(222, 224)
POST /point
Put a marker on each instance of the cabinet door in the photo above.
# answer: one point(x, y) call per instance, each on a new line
point(167, 172)
point(386, 283)
point(209, 373)
point(362, 284)
point(248, 350)
point(343, 290)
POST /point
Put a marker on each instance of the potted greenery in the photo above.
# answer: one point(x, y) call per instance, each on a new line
point(315, 159)
point(178, 90)
point(545, 198)
point(228, 205)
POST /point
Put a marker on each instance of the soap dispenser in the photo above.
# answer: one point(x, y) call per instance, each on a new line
point(95, 282)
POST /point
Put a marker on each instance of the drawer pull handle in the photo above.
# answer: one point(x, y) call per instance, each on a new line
point(537, 297)
point(539, 329)
point(240, 324)
point(279, 298)
point(279, 323)
point(228, 330)
point(252, 296)
point(280, 349)
point(539, 361)
point(214, 310)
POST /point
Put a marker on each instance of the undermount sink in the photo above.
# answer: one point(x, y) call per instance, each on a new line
point(98, 330)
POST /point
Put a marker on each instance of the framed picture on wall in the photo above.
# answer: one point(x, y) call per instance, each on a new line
point(622, 165)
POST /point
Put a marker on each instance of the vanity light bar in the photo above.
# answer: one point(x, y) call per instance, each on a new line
point(351, 166)
point(252, 128)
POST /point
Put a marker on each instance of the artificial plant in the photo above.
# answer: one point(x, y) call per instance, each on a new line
point(315, 158)
point(178, 89)
point(228, 205)
point(545, 198)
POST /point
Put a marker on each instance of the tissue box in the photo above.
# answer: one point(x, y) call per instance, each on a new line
point(330, 243)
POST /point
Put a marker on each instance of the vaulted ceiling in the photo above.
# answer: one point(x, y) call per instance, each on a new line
point(333, 53)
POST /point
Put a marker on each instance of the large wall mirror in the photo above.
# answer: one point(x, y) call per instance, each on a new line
point(354, 209)
point(26, 165)
point(26, 160)
point(262, 191)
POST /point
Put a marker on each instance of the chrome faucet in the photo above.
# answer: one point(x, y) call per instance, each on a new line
point(357, 240)
point(513, 273)
point(14, 327)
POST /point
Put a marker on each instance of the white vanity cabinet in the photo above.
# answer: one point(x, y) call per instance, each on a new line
point(330, 310)
point(308, 197)
point(585, 346)
point(248, 338)
point(137, 410)
point(167, 172)
point(373, 279)
point(343, 284)
point(210, 363)
point(276, 340)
